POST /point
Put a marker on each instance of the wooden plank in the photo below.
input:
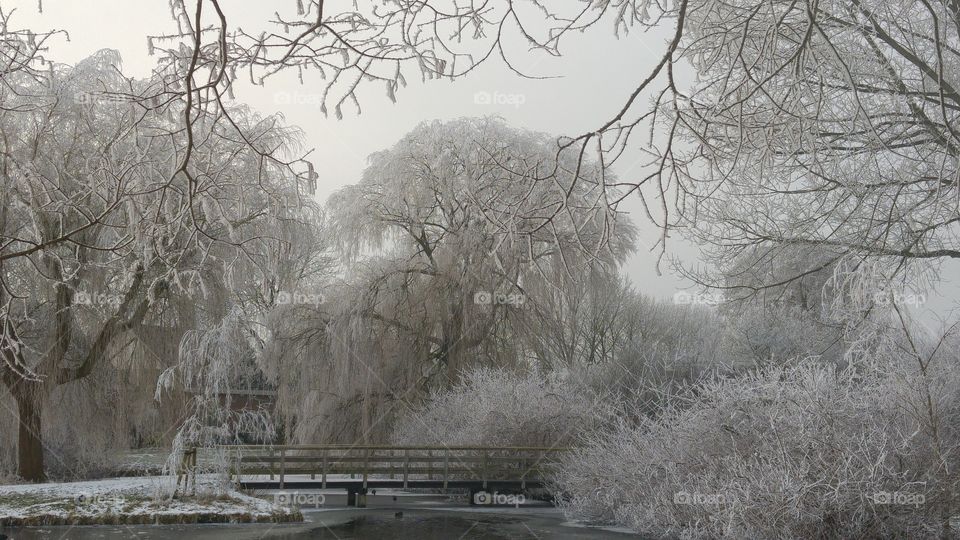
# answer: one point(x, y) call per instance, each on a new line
point(547, 449)
point(267, 460)
point(385, 471)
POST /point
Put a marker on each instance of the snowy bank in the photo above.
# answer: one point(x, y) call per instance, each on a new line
point(129, 501)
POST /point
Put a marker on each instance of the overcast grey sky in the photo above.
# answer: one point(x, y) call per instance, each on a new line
point(593, 79)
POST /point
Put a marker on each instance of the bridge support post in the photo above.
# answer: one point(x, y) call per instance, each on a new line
point(366, 469)
point(237, 467)
point(323, 482)
point(357, 497)
point(446, 469)
point(523, 473)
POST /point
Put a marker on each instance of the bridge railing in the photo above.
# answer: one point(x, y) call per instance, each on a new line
point(406, 464)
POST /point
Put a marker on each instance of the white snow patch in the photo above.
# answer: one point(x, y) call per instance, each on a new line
point(138, 496)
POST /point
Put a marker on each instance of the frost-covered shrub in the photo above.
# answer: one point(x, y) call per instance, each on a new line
point(664, 346)
point(497, 407)
point(762, 334)
point(786, 452)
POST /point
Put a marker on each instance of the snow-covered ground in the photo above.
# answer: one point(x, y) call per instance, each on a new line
point(133, 500)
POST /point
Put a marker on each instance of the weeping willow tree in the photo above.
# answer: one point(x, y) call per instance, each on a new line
point(441, 244)
point(232, 350)
point(272, 250)
point(113, 242)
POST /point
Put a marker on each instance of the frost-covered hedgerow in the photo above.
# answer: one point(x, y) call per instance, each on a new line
point(496, 407)
point(803, 451)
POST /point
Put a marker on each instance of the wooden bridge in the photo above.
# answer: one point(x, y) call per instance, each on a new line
point(359, 468)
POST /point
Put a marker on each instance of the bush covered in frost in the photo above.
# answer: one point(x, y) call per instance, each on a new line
point(496, 407)
point(801, 451)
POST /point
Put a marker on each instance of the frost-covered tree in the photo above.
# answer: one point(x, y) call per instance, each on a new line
point(433, 283)
point(587, 318)
point(779, 304)
point(429, 204)
point(107, 231)
point(353, 45)
point(825, 125)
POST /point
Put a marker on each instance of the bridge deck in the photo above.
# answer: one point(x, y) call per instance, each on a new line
point(359, 467)
point(374, 483)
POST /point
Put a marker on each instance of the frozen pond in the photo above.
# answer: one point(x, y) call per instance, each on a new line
point(373, 523)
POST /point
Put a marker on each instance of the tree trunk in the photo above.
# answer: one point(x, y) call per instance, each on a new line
point(30, 443)
point(453, 337)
